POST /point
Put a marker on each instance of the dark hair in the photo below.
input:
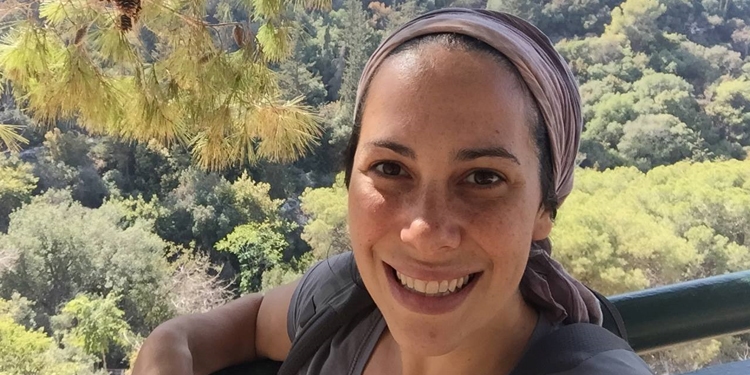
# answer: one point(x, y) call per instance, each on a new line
point(462, 42)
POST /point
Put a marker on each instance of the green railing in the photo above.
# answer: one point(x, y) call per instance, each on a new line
point(692, 310)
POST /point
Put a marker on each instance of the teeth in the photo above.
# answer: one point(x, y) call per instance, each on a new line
point(443, 286)
point(432, 288)
point(420, 286)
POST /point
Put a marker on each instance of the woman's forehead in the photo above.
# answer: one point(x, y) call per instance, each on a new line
point(466, 96)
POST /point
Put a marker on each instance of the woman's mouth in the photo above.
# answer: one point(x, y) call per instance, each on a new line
point(430, 297)
point(433, 288)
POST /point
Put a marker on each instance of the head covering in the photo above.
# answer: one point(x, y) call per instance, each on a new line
point(545, 283)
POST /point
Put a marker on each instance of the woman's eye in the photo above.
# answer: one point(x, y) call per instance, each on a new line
point(389, 169)
point(483, 178)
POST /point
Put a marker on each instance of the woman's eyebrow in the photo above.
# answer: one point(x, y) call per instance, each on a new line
point(476, 153)
point(395, 147)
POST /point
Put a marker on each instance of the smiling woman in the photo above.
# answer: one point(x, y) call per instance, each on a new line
point(466, 132)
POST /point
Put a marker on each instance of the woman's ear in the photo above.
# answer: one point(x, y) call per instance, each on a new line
point(542, 225)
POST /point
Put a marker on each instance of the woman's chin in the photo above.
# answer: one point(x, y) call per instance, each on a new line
point(426, 337)
point(426, 341)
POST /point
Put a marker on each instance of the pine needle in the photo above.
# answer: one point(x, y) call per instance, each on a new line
point(10, 138)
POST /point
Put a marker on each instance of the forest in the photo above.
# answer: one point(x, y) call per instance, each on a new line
point(162, 157)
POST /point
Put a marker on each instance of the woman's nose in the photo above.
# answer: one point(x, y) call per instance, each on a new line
point(431, 225)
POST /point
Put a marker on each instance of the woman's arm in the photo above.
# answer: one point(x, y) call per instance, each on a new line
point(251, 327)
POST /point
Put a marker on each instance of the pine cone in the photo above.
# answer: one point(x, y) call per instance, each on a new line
point(239, 35)
point(130, 8)
point(126, 24)
point(80, 34)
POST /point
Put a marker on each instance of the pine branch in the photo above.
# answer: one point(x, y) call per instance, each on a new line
point(187, 89)
point(10, 139)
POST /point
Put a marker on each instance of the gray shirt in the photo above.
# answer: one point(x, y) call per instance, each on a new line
point(347, 352)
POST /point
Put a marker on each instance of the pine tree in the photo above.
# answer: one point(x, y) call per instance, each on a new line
point(164, 70)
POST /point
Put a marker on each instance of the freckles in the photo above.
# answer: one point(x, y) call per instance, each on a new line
point(371, 202)
point(369, 214)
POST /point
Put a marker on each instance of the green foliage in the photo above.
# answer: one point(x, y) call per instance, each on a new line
point(10, 139)
point(730, 110)
point(16, 185)
point(259, 247)
point(65, 249)
point(635, 21)
point(284, 273)
point(31, 352)
point(77, 61)
point(644, 124)
point(326, 231)
point(21, 351)
point(20, 309)
point(205, 207)
point(624, 230)
point(296, 79)
point(653, 140)
point(559, 18)
point(99, 323)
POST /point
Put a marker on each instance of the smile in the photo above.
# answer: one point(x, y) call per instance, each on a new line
point(433, 288)
point(430, 295)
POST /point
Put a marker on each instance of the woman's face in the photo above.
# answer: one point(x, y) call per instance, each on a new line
point(444, 196)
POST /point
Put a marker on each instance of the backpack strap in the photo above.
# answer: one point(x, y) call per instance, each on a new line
point(612, 320)
point(348, 305)
point(566, 348)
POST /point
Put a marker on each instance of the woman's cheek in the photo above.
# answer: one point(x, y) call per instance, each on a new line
point(369, 213)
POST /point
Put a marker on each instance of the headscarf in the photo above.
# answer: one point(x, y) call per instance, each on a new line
point(545, 284)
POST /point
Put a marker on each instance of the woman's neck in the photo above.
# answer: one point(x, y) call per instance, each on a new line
point(491, 351)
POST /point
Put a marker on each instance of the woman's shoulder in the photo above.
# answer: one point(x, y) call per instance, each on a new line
point(578, 349)
point(320, 283)
point(611, 362)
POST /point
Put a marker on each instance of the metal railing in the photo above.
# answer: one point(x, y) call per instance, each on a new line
point(692, 310)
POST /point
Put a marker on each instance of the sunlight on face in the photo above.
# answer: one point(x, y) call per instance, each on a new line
point(444, 192)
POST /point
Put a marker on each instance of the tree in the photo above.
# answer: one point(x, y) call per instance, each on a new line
point(623, 230)
point(326, 231)
point(99, 324)
point(697, 64)
point(160, 71)
point(195, 286)
point(22, 352)
point(205, 207)
point(596, 58)
point(653, 140)
point(259, 247)
point(358, 42)
point(528, 10)
point(296, 79)
point(30, 352)
point(635, 21)
point(20, 309)
point(63, 249)
point(16, 185)
point(730, 110)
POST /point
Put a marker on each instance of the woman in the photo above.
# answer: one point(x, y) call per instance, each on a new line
point(466, 131)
